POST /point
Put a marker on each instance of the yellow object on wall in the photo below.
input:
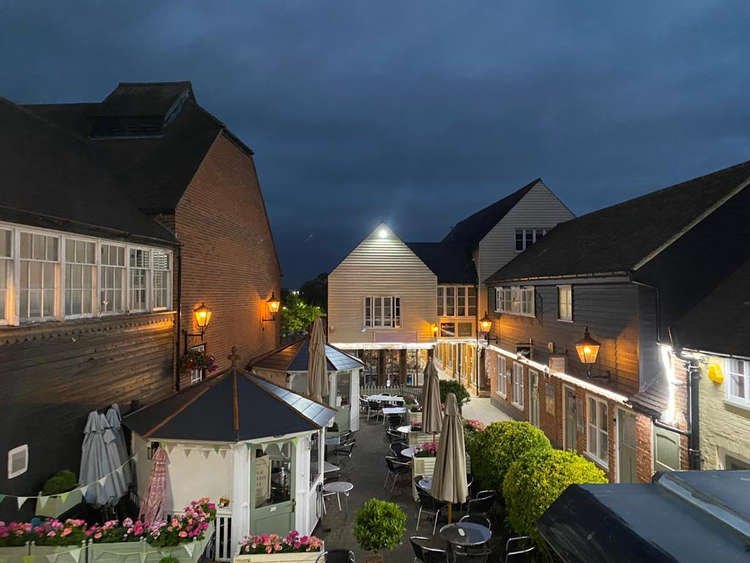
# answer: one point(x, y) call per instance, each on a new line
point(715, 373)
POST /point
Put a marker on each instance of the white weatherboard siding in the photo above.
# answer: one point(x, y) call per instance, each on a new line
point(381, 266)
point(539, 208)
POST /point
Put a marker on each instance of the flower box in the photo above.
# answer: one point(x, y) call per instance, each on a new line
point(14, 554)
point(424, 466)
point(309, 556)
point(55, 505)
point(59, 553)
point(415, 418)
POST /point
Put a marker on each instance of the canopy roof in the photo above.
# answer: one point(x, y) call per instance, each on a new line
point(683, 516)
point(293, 357)
point(233, 406)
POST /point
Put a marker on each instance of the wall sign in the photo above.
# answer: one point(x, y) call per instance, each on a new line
point(262, 479)
point(557, 363)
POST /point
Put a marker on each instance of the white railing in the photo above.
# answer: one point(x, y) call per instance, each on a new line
point(371, 389)
point(221, 549)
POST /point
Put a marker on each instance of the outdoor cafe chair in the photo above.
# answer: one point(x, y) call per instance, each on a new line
point(526, 546)
point(396, 469)
point(427, 553)
point(429, 504)
point(344, 451)
point(393, 436)
point(477, 519)
point(373, 408)
point(471, 554)
point(482, 503)
point(363, 405)
point(336, 556)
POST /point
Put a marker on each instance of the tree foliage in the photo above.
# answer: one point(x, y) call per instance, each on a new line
point(533, 483)
point(495, 448)
point(379, 525)
point(452, 386)
point(296, 315)
point(315, 291)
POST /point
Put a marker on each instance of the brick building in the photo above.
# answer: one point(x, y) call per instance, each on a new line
point(117, 219)
point(628, 273)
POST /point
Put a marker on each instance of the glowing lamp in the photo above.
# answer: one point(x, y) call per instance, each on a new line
point(202, 317)
point(434, 328)
point(273, 304)
point(485, 323)
point(587, 348)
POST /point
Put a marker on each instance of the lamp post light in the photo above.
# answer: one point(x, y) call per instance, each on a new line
point(485, 325)
point(588, 350)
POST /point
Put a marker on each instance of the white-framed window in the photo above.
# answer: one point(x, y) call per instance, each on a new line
point(465, 330)
point(138, 268)
point(6, 274)
point(518, 385)
point(38, 285)
point(597, 441)
point(565, 302)
point(738, 390)
point(80, 264)
point(526, 237)
point(447, 330)
point(516, 300)
point(382, 311)
point(196, 376)
point(456, 301)
point(46, 274)
point(18, 461)
point(502, 381)
point(161, 278)
point(112, 279)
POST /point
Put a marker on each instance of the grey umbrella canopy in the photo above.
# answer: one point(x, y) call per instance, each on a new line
point(449, 477)
point(317, 374)
point(100, 462)
point(431, 417)
point(114, 419)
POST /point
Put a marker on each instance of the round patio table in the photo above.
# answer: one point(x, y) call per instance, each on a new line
point(465, 533)
point(339, 487)
point(407, 452)
point(404, 429)
point(425, 484)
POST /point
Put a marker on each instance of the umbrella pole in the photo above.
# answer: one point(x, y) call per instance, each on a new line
point(450, 512)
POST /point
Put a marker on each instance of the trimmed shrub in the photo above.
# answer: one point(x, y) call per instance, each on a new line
point(379, 525)
point(61, 482)
point(452, 386)
point(500, 444)
point(535, 481)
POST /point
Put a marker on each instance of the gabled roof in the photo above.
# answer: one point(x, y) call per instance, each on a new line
point(451, 262)
point(474, 228)
point(682, 516)
point(53, 178)
point(720, 323)
point(621, 238)
point(233, 406)
point(293, 357)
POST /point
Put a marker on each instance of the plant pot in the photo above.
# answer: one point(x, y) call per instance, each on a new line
point(59, 553)
point(374, 558)
point(15, 554)
point(304, 557)
point(55, 505)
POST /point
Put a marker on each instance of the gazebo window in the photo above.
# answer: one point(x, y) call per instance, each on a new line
point(314, 457)
point(343, 386)
point(278, 457)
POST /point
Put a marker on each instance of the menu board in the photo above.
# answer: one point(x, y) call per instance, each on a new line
point(557, 364)
point(262, 479)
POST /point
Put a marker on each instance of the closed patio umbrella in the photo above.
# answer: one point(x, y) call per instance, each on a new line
point(449, 477)
point(115, 423)
point(317, 374)
point(100, 460)
point(152, 507)
point(431, 417)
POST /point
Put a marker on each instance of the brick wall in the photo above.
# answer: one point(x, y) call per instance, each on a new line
point(644, 440)
point(228, 256)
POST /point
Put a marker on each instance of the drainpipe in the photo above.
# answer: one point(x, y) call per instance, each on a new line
point(178, 320)
point(478, 364)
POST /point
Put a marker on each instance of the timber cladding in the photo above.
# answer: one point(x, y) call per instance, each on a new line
point(53, 374)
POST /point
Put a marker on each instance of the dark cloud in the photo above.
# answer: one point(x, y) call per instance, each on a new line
point(416, 113)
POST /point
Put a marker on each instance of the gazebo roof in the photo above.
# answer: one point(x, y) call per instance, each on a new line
point(293, 357)
point(233, 406)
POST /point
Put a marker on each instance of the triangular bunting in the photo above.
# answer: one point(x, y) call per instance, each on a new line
point(189, 548)
point(223, 453)
point(64, 496)
point(206, 453)
point(102, 480)
point(169, 447)
point(2, 497)
point(119, 470)
point(21, 500)
point(135, 457)
point(84, 489)
point(41, 502)
point(187, 452)
point(216, 449)
point(143, 557)
point(52, 557)
point(75, 553)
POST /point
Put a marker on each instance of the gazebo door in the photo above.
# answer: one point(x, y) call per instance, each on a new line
point(272, 477)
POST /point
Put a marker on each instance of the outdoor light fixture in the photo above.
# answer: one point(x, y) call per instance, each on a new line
point(202, 316)
point(382, 232)
point(485, 325)
point(434, 328)
point(272, 305)
point(588, 350)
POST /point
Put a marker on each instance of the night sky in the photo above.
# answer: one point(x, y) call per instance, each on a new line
point(415, 113)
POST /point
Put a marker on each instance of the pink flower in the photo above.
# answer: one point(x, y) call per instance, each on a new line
point(182, 534)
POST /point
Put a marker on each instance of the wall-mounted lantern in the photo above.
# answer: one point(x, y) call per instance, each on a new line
point(202, 316)
point(588, 350)
point(272, 307)
point(485, 325)
point(434, 328)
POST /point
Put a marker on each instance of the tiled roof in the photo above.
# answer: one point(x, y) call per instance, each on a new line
point(451, 262)
point(617, 238)
point(293, 357)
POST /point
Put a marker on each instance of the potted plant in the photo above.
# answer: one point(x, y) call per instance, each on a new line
point(62, 492)
point(271, 547)
point(379, 525)
point(197, 359)
point(14, 541)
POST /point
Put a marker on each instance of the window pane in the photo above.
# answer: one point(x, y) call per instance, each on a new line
point(472, 297)
point(529, 237)
point(51, 248)
point(592, 412)
point(6, 242)
point(461, 301)
point(25, 245)
point(378, 311)
point(440, 301)
point(70, 250)
point(519, 239)
point(603, 447)
point(38, 247)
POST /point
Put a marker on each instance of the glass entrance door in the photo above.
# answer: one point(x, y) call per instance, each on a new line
point(272, 471)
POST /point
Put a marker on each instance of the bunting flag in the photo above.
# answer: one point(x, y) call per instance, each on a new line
point(102, 481)
point(206, 453)
point(64, 496)
point(169, 446)
point(52, 557)
point(84, 489)
point(21, 500)
point(216, 449)
point(187, 452)
point(2, 497)
point(41, 502)
point(189, 548)
point(75, 553)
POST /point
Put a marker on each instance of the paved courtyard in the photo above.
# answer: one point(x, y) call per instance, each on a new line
point(366, 470)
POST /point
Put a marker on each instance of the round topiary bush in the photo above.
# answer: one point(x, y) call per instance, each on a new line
point(452, 386)
point(535, 481)
point(61, 482)
point(500, 444)
point(379, 525)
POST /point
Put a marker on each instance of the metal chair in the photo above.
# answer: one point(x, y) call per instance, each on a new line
point(428, 503)
point(477, 519)
point(343, 452)
point(522, 550)
point(482, 503)
point(373, 407)
point(471, 554)
point(362, 406)
point(336, 556)
point(426, 553)
point(397, 448)
point(396, 469)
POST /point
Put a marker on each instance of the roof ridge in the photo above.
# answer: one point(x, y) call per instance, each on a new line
point(514, 192)
point(287, 405)
point(54, 126)
point(252, 361)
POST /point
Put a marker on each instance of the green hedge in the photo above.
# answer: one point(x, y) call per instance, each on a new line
point(494, 449)
point(379, 525)
point(535, 481)
point(452, 386)
point(61, 482)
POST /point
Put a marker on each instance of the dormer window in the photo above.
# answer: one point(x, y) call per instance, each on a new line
point(526, 237)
